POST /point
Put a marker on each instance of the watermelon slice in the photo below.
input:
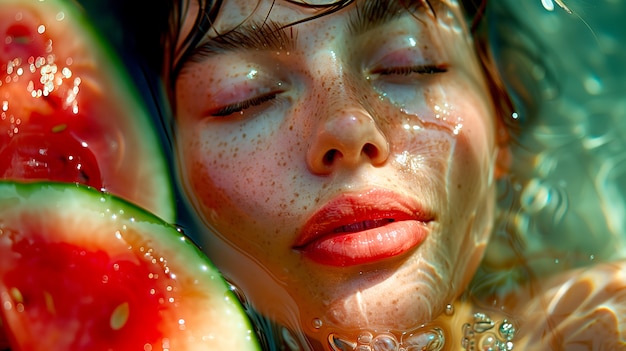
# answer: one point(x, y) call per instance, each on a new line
point(85, 270)
point(68, 110)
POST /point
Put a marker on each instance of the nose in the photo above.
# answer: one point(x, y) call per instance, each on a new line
point(348, 137)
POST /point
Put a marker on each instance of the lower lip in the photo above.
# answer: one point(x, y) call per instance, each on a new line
point(368, 246)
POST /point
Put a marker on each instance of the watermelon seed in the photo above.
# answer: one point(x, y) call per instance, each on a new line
point(16, 294)
point(119, 317)
point(59, 128)
point(49, 302)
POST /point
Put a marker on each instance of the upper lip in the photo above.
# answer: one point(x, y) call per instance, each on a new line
point(371, 208)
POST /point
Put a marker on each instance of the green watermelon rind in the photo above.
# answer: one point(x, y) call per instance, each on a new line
point(113, 69)
point(166, 209)
point(54, 204)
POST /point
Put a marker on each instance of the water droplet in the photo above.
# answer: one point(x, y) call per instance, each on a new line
point(238, 293)
point(593, 84)
point(430, 340)
point(365, 338)
point(317, 323)
point(385, 342)
point(507, 330)
point(488, 342)
point(449, 310)
point(482, 323)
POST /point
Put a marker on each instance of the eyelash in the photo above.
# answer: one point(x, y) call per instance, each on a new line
point(243, 105)
point(423, 69)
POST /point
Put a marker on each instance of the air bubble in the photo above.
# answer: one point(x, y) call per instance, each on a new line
point(385, 342)
point(449, 310)
point(507, 330)
point(317, 323)
point(593, 85)
point(365, 338)
point(482, 322)
point(432, 340)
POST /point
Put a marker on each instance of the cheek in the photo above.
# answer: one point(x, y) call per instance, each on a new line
point(201, 162)
point(218, 167)
point(475, 153)
point(463, 109)
point(238, 175)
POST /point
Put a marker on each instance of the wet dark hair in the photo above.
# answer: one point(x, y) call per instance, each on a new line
point(209, 9)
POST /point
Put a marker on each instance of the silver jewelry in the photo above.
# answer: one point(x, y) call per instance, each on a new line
point(485, 334)
point(421, 339)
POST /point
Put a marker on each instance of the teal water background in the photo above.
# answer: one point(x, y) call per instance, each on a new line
point(566, 197)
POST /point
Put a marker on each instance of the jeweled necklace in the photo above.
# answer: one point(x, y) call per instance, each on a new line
point(480, 333)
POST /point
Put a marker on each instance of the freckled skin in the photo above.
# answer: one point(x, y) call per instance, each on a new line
point(256, 176)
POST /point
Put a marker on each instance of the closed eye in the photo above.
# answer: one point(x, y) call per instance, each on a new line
point(407, 70)
point(243, 105)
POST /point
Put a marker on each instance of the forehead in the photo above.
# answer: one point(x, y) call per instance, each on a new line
point(290, 11)
point(233, 14)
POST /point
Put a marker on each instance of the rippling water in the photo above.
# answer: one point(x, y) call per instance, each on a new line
point(567, 200)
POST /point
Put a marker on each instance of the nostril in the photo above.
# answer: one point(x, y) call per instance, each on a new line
point(330, 156)
point(371, 151)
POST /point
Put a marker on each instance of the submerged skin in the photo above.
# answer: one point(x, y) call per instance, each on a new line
point(333, 112)
point(342, 125)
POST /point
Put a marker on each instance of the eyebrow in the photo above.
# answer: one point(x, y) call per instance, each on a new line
point(376, 13)
point(270, 35)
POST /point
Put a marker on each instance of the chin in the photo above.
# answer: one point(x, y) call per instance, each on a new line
point(393, 299)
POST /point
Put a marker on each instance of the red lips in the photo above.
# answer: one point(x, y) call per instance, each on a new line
point(360, 228)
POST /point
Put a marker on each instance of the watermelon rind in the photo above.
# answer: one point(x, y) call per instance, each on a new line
point(99, 221)
point(139, 170)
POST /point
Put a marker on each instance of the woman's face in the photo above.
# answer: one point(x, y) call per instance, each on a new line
point(344, 163)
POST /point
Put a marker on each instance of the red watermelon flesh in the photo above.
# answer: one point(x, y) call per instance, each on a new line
point(83, 270)
point(68, 110)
